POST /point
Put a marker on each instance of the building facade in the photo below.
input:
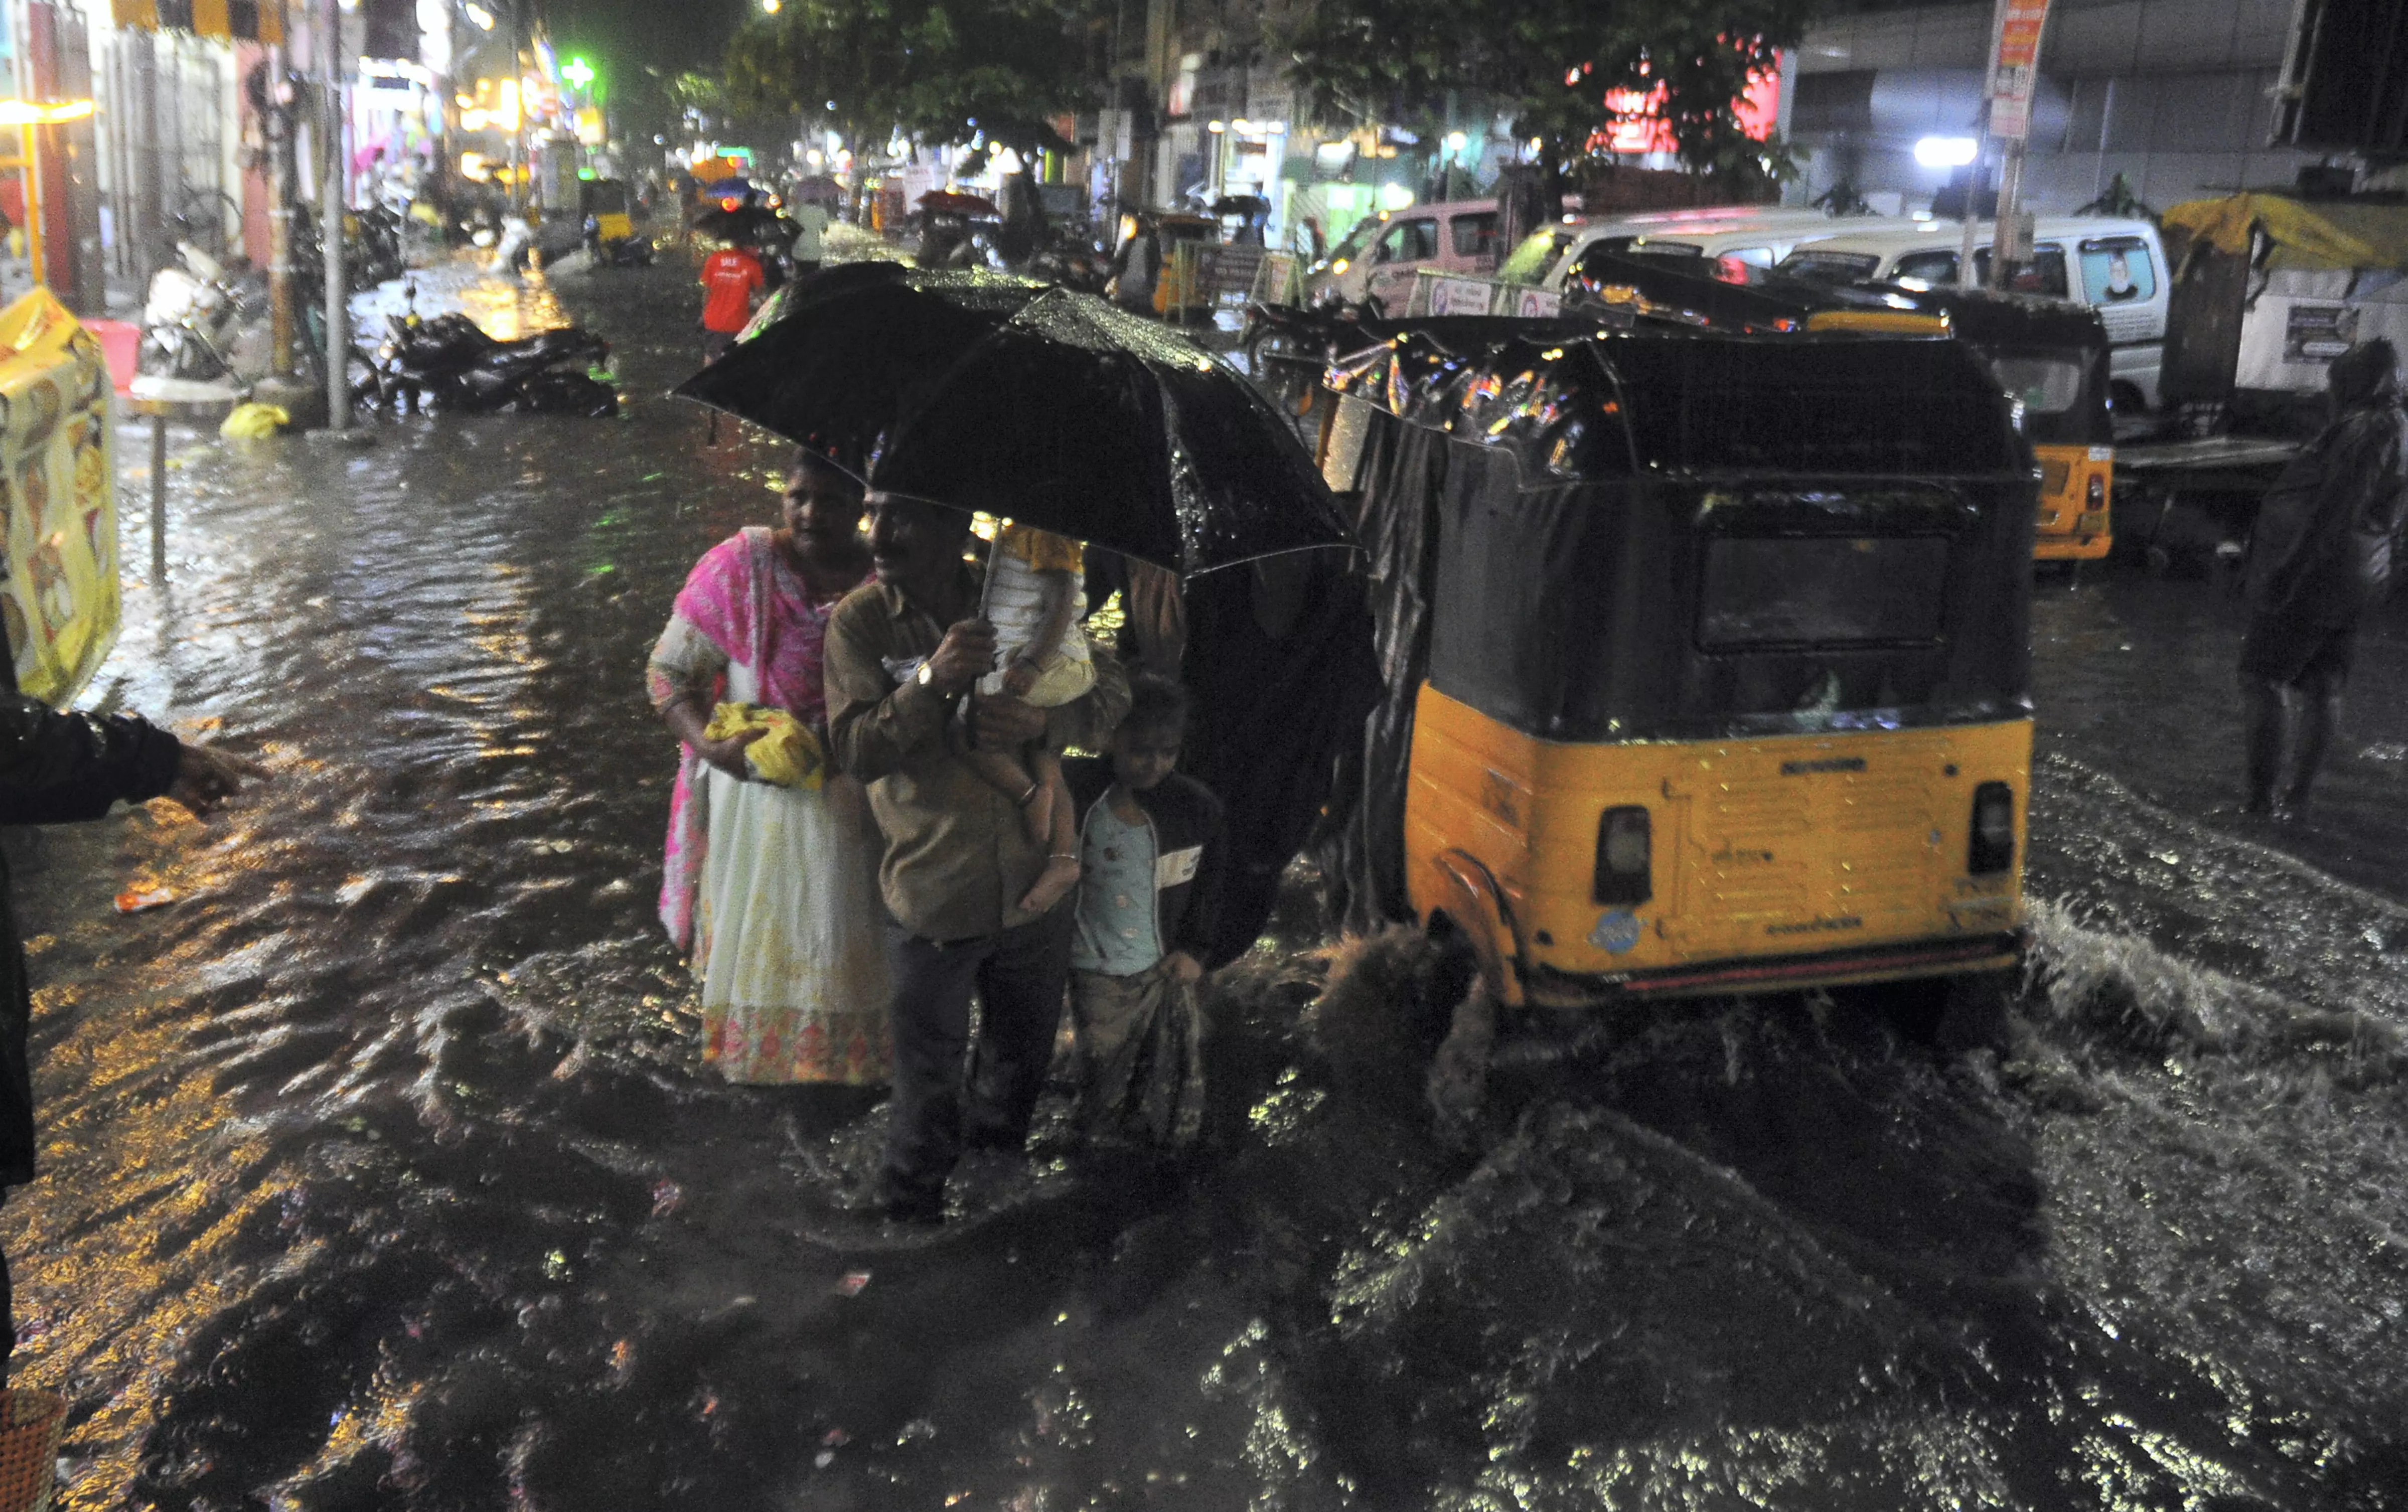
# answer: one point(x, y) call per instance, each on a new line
point(2176, 96)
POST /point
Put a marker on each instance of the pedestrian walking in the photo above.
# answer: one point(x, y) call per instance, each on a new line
point(56, 769)
point(1135, 267)
point(901, 654)
point(1151, 866)
point(731, 280)
point(810, 242)
point(2320, 559)
point(772, 886)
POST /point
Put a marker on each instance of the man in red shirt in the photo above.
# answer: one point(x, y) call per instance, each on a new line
point(732, 275)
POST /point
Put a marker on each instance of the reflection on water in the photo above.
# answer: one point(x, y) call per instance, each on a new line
point(382, 1173)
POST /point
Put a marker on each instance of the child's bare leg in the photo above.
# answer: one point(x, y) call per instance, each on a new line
point(1060, 839)
point(1003, 771)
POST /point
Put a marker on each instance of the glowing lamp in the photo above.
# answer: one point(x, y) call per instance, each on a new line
point(1946, 151)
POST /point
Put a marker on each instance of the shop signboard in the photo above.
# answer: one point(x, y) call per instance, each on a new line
point(2015, 72)
point(58, 499)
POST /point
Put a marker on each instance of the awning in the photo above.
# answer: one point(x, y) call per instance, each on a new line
point(2307, 236)
point(231, 20)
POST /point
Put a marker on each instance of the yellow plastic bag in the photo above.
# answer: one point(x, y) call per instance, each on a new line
point(789, 756)
point(249, 423)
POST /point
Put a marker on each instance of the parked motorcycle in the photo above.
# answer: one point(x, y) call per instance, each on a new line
point(451, 364)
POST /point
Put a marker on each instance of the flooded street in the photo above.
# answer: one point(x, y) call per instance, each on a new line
point(381, 1170)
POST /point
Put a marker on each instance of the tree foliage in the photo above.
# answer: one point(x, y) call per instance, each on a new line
point(937, 71)
point(1553, 63)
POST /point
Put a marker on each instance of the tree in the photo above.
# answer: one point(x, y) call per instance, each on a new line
point(983, 72)
point(1554, 63)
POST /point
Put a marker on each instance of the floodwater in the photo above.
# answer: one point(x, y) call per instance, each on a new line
point(382, 1173)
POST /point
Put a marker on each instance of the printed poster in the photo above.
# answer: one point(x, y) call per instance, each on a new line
point(2015, 71)
point(58, 499)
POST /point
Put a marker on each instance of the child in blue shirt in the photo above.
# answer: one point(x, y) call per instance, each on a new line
point(1151, 862)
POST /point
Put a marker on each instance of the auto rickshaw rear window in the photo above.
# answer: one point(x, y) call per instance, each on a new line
point(2046, 385)
point(1810, 592)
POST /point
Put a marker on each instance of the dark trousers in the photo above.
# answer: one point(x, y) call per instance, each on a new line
point(2302, 664)
point(1019, 976)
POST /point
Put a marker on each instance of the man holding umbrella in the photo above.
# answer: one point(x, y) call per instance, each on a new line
point(901, 654)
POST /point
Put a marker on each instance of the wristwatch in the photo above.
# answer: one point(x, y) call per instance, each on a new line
point(927, 674)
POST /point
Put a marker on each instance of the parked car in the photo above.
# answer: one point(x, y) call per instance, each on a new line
point(2115, 265)
point(1374, 262)
point(1759, 235)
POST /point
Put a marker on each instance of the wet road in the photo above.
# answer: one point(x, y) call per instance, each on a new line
point(381, 1172)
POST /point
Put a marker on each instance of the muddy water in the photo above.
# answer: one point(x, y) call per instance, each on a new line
point(381, 1172)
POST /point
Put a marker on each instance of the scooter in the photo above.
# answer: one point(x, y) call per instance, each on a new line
point(189, 320)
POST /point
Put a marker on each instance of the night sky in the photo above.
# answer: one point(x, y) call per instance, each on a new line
point(669, 34)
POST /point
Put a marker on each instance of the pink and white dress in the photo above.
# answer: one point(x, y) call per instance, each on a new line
point(774, 890)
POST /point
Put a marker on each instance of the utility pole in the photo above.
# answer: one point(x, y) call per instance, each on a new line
point(331, 207)
point(281, 174)
point(1965, 278)
point(2014, 79)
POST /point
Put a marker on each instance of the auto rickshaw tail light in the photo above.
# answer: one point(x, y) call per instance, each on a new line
point(1992, 847)
point(1624, 859)
point(2095, 498)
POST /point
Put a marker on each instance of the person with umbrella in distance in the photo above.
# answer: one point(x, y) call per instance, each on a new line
point(960, 862)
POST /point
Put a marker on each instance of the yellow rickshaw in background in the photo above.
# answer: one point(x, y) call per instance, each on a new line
point(1705, 662)
point(1179, 291)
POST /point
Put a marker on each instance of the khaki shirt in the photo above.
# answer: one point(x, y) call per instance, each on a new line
point(957, 858)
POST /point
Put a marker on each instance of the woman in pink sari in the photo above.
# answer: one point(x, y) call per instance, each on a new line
point(773, 889)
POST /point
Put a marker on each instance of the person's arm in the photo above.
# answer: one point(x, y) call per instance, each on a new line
point(60, 768)
point(44, 751)
point(873, 722)
point(684, 668)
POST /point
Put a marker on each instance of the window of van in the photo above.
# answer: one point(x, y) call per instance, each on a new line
point(2043, 275)
point(2118, 270)
point(1536, 255)
point(1832, 267)
point(1933, 267)
point(1474, 236)
point(1408, 241)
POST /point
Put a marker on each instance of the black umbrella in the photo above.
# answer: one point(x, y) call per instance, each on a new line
point(1033, 403)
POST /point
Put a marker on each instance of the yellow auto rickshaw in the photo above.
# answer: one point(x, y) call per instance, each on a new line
point(1705, 658)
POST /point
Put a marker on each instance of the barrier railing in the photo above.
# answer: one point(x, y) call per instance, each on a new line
point(1436, 293)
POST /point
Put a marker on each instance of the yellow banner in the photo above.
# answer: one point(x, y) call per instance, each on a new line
point(231, 20)
point(58, 499)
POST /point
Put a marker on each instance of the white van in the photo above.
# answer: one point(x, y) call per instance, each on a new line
point(1757, 235)
point(2117, 267)
point(1376, 260)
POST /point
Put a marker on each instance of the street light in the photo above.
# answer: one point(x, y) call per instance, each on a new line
point(25, 113)
point(484, 18)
